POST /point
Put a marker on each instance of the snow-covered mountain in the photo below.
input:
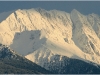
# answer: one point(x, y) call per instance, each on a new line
point(39, 35)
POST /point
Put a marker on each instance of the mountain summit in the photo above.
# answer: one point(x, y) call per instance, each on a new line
point(40, 35)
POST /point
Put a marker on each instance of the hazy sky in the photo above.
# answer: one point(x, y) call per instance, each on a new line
point(85, 7)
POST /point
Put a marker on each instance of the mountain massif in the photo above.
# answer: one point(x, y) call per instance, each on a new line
point(56, 40)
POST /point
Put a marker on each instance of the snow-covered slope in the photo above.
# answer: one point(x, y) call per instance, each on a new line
point(38, 34)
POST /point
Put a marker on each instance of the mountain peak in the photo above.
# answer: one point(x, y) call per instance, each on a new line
point(59, 29)
point(74, 11)
point(4, 15)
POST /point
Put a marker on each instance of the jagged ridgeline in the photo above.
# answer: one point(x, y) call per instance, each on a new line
point(41, 36)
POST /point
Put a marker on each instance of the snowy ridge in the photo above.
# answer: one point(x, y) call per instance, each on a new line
point(38, 34)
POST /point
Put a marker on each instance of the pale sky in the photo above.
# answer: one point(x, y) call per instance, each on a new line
point(85, 7)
